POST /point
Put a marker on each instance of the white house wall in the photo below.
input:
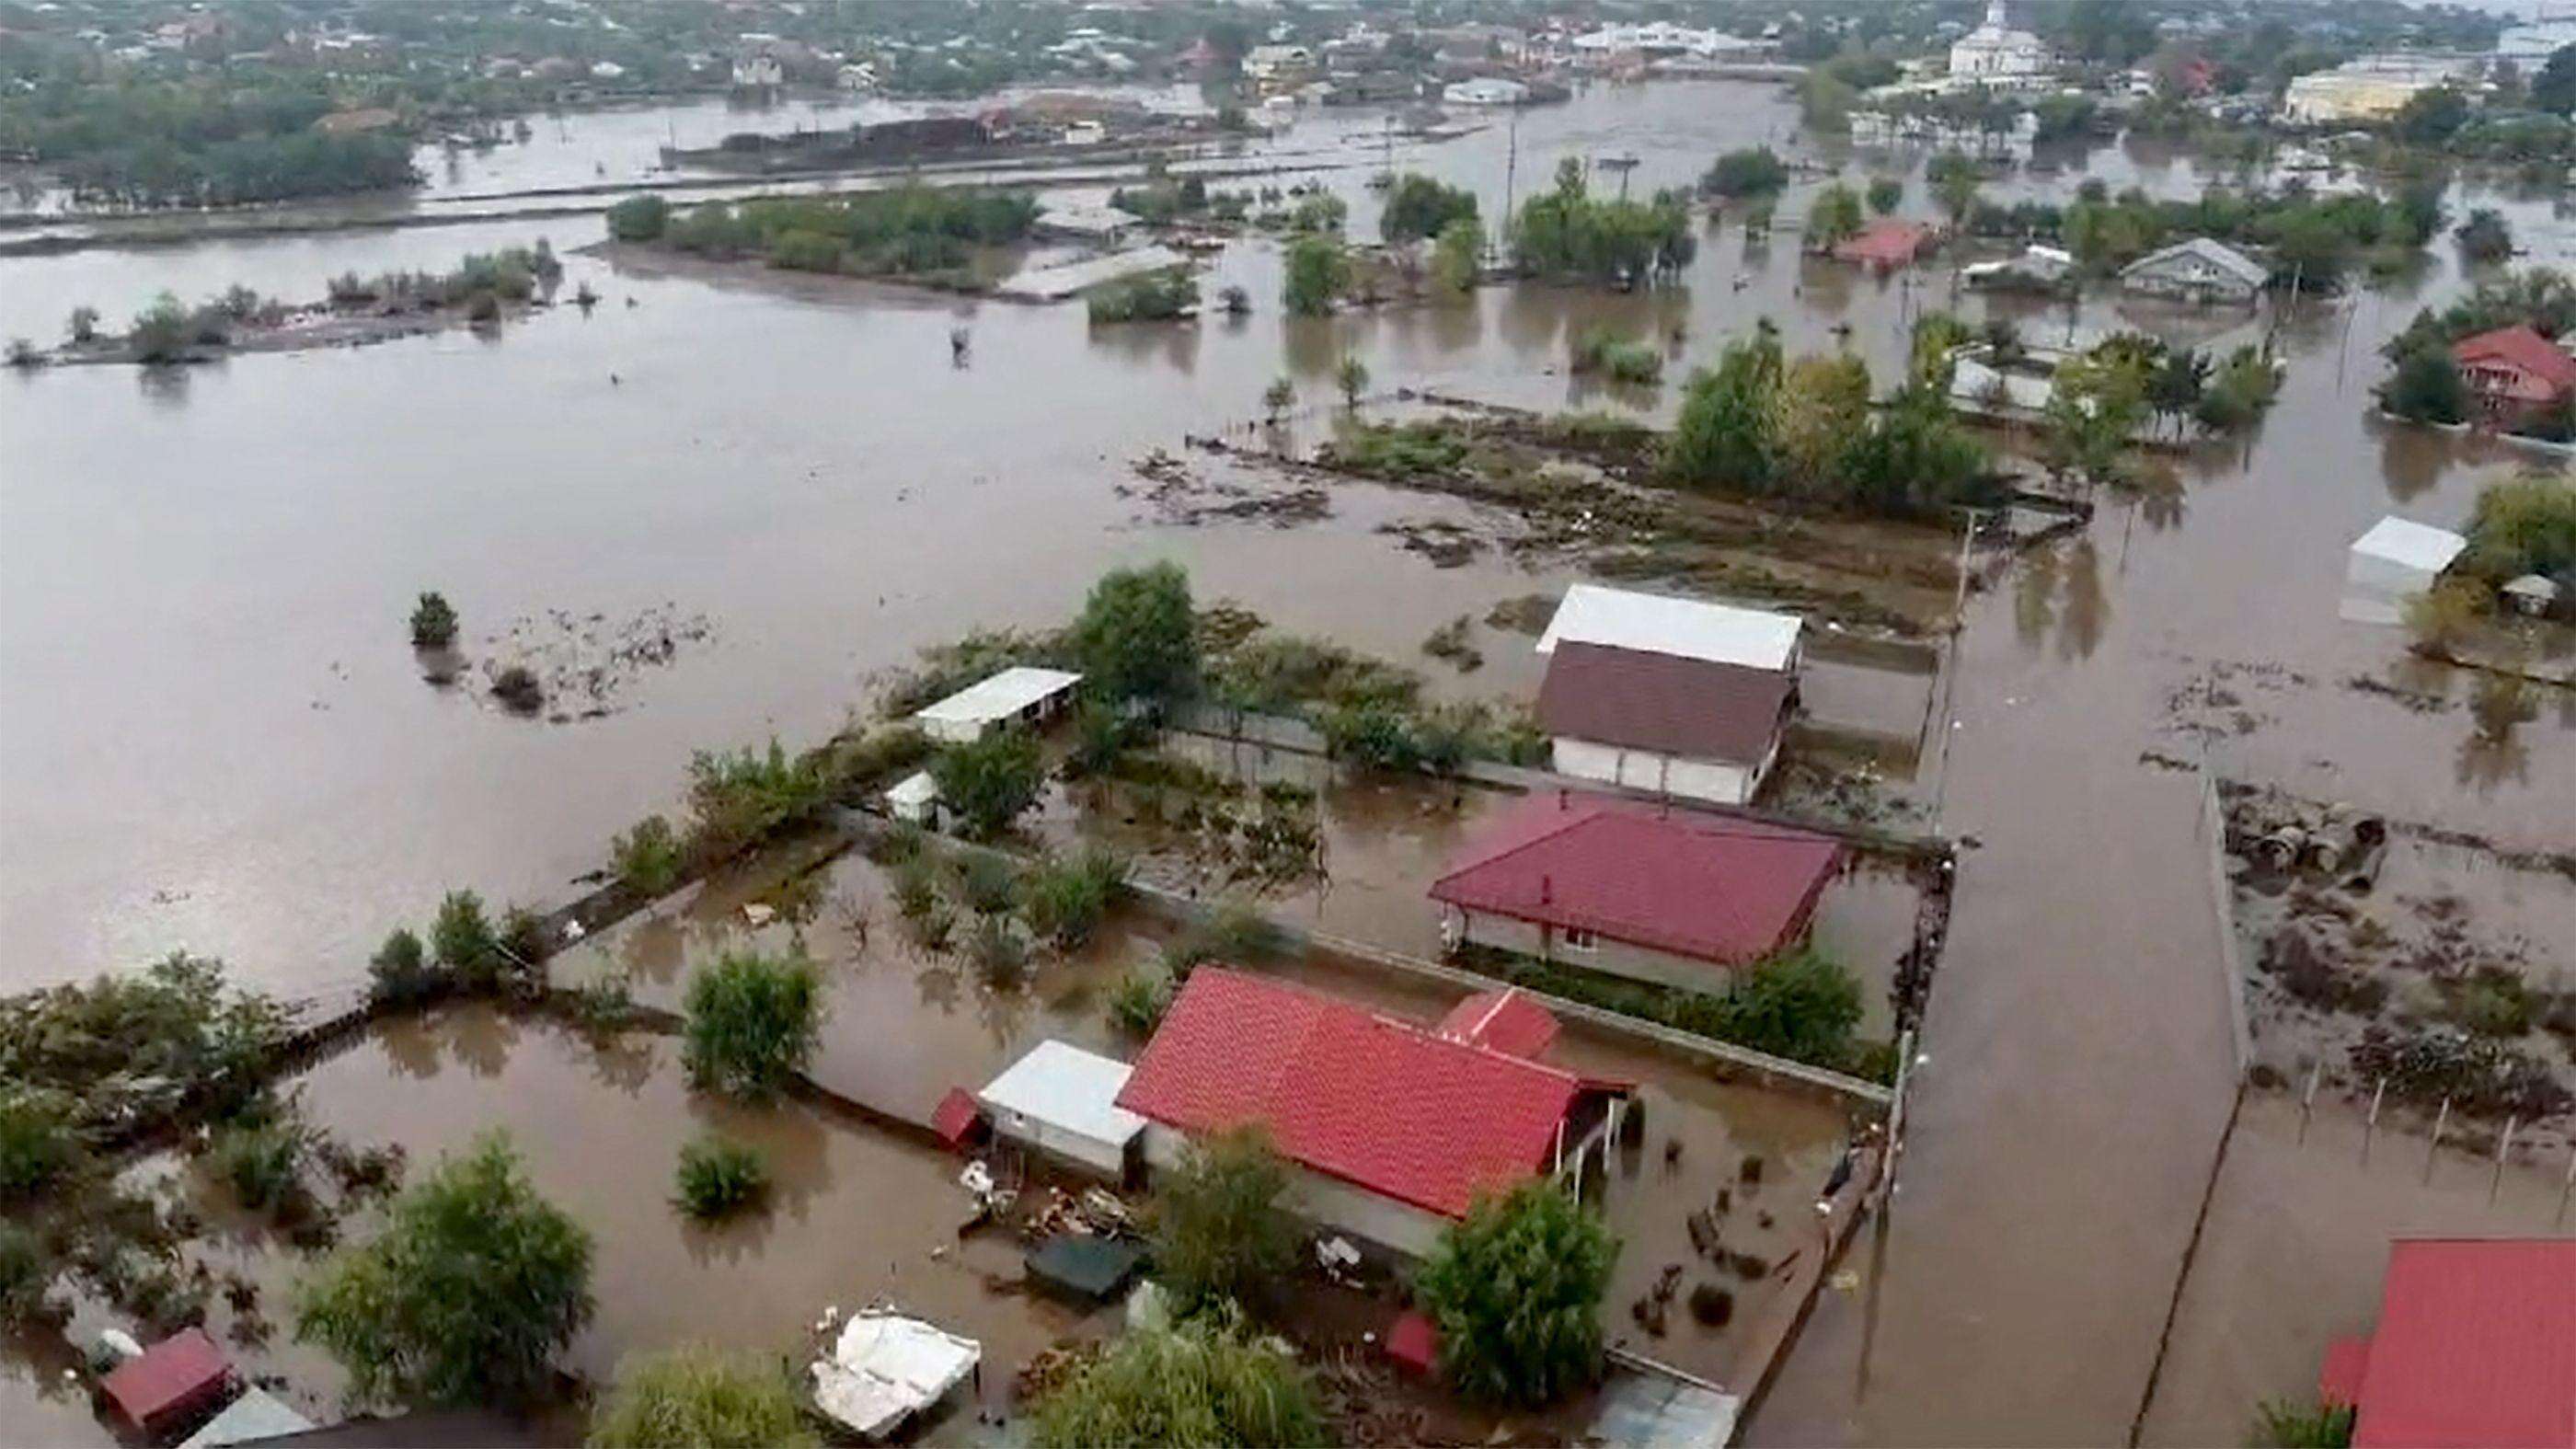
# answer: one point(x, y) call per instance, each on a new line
point(1109, 1159)
point(1690, 779)
point(1616, 958)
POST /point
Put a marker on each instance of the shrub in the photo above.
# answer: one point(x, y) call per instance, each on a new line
point(1598, 349)
point(752, 1022)
point(2427, 387)
point(1802, 1004)
point(1754, 172)
point(699, 1397)
point(23, 353)
point(989, 781)
point(160, 332)
point(1515, 1290)
point(524, 940)
point(735, 799)
point(474, 1286)
point(1199, 1382)
point(483, 307)
point(639, 219)
point(1235, 932)
point(986, 883)
point(400, 974)
point(27, 1268)
point(718, 1177)
point(1001, 957)
point(2282, 1424)
point(1217, 1230)
point(1140, 998)
point(1066, 899)
point(38, 1143)
point(647, 857)
point(518, 688)
point(262, 1163)
point(433, 622)
point(464, 941)
point(1155, 297)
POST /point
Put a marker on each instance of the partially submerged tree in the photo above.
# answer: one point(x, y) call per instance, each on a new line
point(1218, 1232)
point(1834, 216)
point(752, 1022)
point(2426, 387)
point(988, 782)
point(1201, 1382)
point(1418, 207)
point(1885, 193)
point(701, 1397)
point(1352, 377)
point(1458, 257)
point(473, 1287)
point(1318, 271)
point(1516, 1290)
point(1138, 636)
point(433, 622)
point(1278, 398)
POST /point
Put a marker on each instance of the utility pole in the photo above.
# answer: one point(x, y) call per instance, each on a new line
point(1511, 173)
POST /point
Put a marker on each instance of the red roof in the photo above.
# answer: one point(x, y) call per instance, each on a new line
point(1667, 703)
point(169, 1380)
point(1506, 1020)
point(958, 1119)
point(2545, 371)
point(1718, 887)
point(1376, 1101)
point(1886, 242)
point(2476, 1346)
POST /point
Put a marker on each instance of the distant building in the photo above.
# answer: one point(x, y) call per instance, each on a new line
point(1886, 244)
point(1676, 696)
point(1635, 889)
point(1278, 64)
point(1995, 50)
point(2198, 270)
point(351, 123)
point(2514, 371)
point(607, 70)
point(2397, 560)
point(1391, 1129)
point(2476, 1345)
point(2039, 267)
point(2372, 88)
point(1485, 91)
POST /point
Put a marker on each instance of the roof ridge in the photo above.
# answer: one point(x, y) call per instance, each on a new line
point(1588, 812)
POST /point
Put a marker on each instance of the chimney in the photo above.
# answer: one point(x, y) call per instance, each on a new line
point(1546, 889)
point(1563, 800)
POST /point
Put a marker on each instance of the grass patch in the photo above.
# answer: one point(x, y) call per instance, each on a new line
point(719, 1177)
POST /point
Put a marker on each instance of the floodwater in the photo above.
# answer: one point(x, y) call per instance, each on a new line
point(213, 735)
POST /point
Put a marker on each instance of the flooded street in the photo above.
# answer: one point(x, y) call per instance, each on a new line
point(215, 735)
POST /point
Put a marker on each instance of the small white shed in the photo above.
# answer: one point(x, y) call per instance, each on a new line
point(1063, 1101)
point(1019, 695)
point(915, 798)
point(2393, 563)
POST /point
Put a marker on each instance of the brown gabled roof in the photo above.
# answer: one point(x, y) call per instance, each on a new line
point(1646, 701)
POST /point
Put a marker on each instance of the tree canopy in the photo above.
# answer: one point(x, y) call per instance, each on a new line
point(473, 1287)
point(1516, 1292)
point(1202, 1383)
point(752, 1022)
point(700, 1397)
point(1418, 207)
point(1138, 635)
point(989, 781)
point(1317, 273)
point(1218, 1232)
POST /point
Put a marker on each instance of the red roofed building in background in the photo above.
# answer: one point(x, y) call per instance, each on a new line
point(2514, 371)
point(180, 1379)
point(1393, 1129)
point(1635, 888)
point(2476, 1345)
point(1885, 244)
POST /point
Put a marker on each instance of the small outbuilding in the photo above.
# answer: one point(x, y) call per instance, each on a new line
point(1677, 696)
point(1885, 244)
point(1063, 1101)
point(170, 1383)
point(2197, 270)
point(2532, 594)
point(1021, 695)
point(2390, 565)
point(914, 798)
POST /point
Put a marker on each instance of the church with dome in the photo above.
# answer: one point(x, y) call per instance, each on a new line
point(1996, 51)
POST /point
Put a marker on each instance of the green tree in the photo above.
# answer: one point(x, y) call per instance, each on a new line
point(1755, 171)
point(2485, 237)
point(648, 858)
point(989, 781)
point(1821, 404)
point(464, 941)
point(1802, 1005)
point(1723, 435)
point(1834, 216)
point(84, 323)
point(1278, 397)
point(2554, 89)
point(465, 1298)
point(2095, 404)
point(2309, 247)
point(1458, 257)
point(1318, 272)
point(433, 622)
point(2430, 117)
point(700, 1397)
point(1886, 193)
point(1200, 1383)
point(1515, 1290)
point(400, 973)
point(1218, 1232)
point(718, 1176)
point(1352, 377)
point(161, 332)
point(2427, 387)
point(753, 1021)
point(1954, 182)
point(639, 218)
point(1418, 208)
point(1138, 634)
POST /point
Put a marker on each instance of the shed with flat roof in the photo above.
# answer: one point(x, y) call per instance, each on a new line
point(1021, 694)
point(1063, 1101)
point(2391, 564)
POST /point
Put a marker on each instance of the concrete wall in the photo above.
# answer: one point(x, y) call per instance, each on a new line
point(1616, 958)
point(1326, 1202)
point(1712, 780)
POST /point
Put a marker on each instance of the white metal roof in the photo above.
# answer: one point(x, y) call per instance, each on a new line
point(256, 1416)
point(1000, 697)
point(886, 1367)
point(1689, 628)
point(2416, 545)
point(1064, 1086)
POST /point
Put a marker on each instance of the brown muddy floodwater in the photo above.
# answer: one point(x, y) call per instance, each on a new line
point(211, 733)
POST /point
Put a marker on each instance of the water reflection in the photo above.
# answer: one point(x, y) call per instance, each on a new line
point(165, 388)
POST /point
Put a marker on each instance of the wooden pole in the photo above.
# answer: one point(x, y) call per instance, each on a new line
point(2504, 1147)
point(2440, 1120)
point(2371, 1130)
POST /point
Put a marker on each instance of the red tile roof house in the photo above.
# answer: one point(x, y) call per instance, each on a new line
point(1391, 1129)
point(1674, 696)
point(1634, 889)
point(1885, 244)
point(2476, 1345)
point(2514, 371)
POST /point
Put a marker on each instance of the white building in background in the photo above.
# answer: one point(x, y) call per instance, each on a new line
point(1486, 91)
point(2391, 564)
point(2370, 88)
point(1996, 51)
